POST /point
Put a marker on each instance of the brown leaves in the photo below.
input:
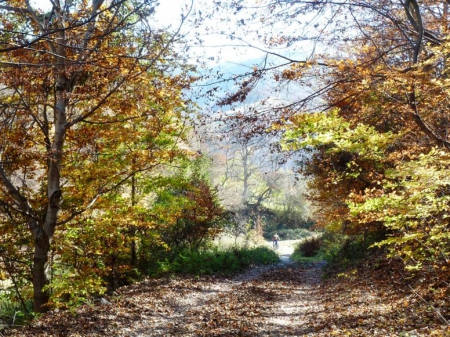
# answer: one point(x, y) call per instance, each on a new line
point(283, 301)
point(245, 87)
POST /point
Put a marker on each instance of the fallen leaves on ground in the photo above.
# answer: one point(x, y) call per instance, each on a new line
point(285, 300)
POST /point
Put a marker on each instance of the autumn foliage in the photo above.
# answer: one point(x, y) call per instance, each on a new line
point(379, 151)
point(91, 107)
point(98, 185)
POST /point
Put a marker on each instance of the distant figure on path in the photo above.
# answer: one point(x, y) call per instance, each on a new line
point(275, 239)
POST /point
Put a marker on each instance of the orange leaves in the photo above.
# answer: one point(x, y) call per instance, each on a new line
point(373, 80)
point(285, 301)
point(89, 107)
point(187, 212)
point(296, 71)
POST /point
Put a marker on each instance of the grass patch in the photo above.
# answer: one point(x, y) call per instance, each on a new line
point(215, 261)
point(303, 259)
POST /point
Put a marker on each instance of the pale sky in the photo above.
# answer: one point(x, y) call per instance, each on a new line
point(214, 33)
point(220, 53)
point(168, 13)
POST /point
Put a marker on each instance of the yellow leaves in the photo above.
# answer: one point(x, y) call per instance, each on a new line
point(162, 93)
point(322, 129)
point(367, 48)
point(414, 207)
point(296, 71)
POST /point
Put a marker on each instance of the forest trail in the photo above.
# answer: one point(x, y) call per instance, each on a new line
point(286, 299)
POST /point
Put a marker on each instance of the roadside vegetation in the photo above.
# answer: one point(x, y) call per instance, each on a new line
point(341, 252)
point(187, 262)
point(218, 262)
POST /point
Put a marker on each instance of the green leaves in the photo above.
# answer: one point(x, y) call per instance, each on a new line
point(414, 206)
point(331, 130)
point(187, 213)
point(410, 197)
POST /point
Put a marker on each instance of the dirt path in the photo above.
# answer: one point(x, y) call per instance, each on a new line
point(265, 301)
point(282, 300)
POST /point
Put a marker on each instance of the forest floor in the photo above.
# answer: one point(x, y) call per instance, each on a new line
point(286, 299)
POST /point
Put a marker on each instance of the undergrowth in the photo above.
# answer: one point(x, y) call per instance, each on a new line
point(215, 261)
point(12, 313)
point(340, 251)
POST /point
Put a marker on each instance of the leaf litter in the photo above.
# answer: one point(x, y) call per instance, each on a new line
point(282, 300)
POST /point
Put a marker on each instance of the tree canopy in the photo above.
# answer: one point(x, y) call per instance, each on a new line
point(365, 95)
point(91, 97)
point(379, 134)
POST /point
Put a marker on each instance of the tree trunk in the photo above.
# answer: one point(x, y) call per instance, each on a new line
point(40, 280)
point(43, 233)
point(133, 227)
point(246, 177)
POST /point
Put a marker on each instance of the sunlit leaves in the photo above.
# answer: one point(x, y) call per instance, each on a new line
point(187, 212)
point(379, 148)
point(92, 104)
point(320, 129)
point(415, 206)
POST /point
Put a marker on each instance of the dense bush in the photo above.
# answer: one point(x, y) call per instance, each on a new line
point(344, 250)
point(310, 247)
point(187, 212)
point(308, 250)
point(339, 250)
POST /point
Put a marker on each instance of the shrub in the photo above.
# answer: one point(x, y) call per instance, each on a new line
point(331, 245)
point(344, 250)
point(310, 247)
point(187, 213)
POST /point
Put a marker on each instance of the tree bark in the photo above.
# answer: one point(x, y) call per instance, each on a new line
point(132, 227)
point(41, 295)
point(44, 233)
